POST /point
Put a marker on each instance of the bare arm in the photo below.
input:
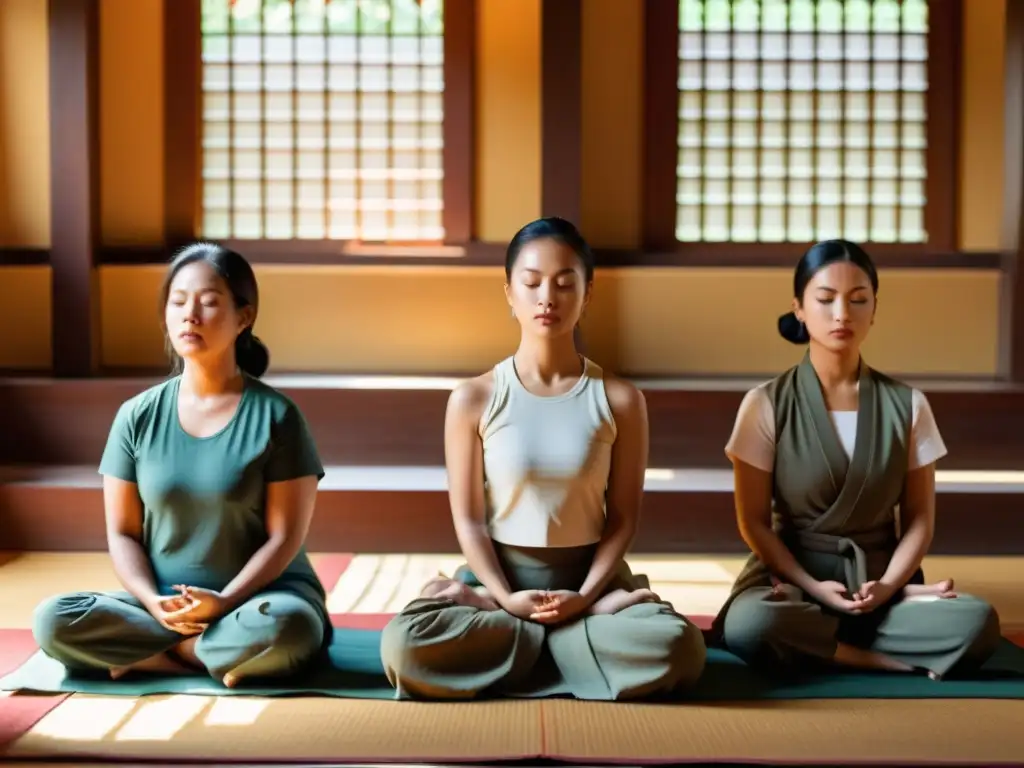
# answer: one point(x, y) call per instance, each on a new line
point(625, 486)
point(917, 513)
point(289, 512)
point(464, 462)
point(753, 495)
point(123, 513)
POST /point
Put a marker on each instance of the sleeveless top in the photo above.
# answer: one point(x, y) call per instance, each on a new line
point(546, 460)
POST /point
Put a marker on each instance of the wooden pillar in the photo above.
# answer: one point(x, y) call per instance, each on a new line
point(561, 74)
point(74, 184)
point(459, 160)
point(661, 124)
point(561, 143)
point(182, 119)
point(1011, 331)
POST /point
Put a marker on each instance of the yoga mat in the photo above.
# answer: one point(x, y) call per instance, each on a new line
point(353, 670)
point(18, 713)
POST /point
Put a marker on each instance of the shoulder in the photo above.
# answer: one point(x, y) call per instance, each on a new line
point(753, 434)
point(144, 404)
point(758, 401)
point(272, 402)
point(921, 409)
point(897, 394)
point(897, 388)
point(624, 397)
point(469, 399)
point(269, 395)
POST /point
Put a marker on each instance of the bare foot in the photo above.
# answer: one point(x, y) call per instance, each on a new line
point(620, 599)
point(162, 663)
point(852, 656)
point(186, 652)
point(941, 589)
point(450, 589)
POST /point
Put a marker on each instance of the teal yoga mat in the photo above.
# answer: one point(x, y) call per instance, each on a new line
point(352, 669)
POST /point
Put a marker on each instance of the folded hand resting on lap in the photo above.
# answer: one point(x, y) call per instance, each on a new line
point(201, 606)
point(170, 611)
point(563, 605)
point(940, 589)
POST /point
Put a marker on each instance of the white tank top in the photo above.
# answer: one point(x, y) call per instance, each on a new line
point(547, 460)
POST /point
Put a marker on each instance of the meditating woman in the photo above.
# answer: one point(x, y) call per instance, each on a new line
point(209, 481)
point(546, 458)
point(823, 457)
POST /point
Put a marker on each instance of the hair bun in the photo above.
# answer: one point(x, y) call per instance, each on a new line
point(792, 330)
point(251, 354)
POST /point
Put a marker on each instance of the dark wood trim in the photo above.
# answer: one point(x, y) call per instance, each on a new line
point(74, 183)
point(661, 119)
point(562, 109)
point(661, 124)
point(1011, 330)
point(459, 129)
point(484, 254)
point(182, 119)
point(24, 257)
point(753, 256)
point(942, 187)
point(325, 252)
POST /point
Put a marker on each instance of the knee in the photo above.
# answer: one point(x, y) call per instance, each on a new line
point(287, 629)
point(299, 630)
point(419, 641)
point(987, 633)
point(755, 631)
point(688, 654)
point(400, 640)
point(54, 619)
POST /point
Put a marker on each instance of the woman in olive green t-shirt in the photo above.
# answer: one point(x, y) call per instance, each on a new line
point(209, 482)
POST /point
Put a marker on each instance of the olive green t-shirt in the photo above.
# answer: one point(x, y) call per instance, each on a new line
point(204, 498)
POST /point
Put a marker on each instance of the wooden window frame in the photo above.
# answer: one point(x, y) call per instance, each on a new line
point(183, 155)
point(661, 99)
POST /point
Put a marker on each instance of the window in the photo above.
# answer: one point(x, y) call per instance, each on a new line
point(322, 120)
point(801, 120)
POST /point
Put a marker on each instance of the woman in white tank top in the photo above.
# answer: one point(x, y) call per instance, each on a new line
point(546, 458)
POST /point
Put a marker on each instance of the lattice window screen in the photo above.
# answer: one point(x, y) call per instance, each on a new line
point(322, 119)
point(802, 120)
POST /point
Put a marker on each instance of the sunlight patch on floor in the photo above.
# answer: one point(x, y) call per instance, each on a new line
point(90, 718)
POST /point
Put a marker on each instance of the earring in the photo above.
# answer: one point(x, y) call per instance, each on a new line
point(513, 313)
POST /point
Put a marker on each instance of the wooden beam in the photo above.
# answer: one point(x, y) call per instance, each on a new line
point(1011, 330)
point(74, 183)
point(561, 76)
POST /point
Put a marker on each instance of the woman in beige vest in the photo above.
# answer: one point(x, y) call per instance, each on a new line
point(546, 458)
point(823, 456)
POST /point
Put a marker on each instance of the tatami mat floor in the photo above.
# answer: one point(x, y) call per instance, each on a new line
point(165, 729)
